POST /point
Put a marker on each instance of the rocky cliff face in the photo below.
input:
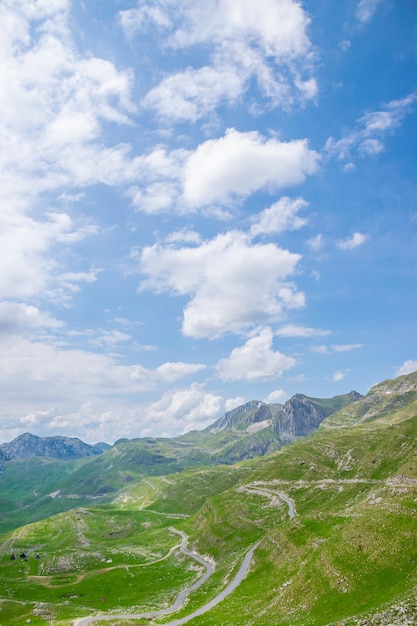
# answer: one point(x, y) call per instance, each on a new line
point(244, 417)
point(298, 417)
point(301, 415)
point(28, 445)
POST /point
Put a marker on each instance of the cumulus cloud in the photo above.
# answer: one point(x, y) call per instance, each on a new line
point(60, 381)
point(184, 410)
point(238, 164)
point(191, 94)
point(372, 128)
point(255, 360)
point(406, 368)
point(268, 42)
point(232, 284)
point(357, 239)
point(279, 217)
point(20, 317)
point(223, 170)
point(54, 103)
point(26, 268)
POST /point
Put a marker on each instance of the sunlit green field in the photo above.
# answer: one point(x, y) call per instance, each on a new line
point(350, 550)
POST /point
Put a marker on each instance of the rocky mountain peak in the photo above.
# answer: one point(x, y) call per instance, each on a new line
point(28, 445)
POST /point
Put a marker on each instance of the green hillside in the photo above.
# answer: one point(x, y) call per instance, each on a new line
point(249, 431)
point(346, 552)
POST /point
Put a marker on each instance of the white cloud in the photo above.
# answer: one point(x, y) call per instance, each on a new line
point(336, 348)
point(321, 349)
point(268, 42)
point(54, 103)
point(192, 94)
point(232, 403)
point(316, 243)
point(357, 239)
point(279, 217)
point(184, 235)
point(406, 368)
point(371, 146)
point(58, 382)
point(20, 317)
point(345, 44)
point(109, 338)
point(277, 396)
point(238, 164)
point(366, 9)
point(347, 347)
point(232, 284)
point(171, 372)
point(372, 128)
point(133, 20)
point(220, 171)
point(184, 410)
point(278, 27)
point(26, 244)
point(300, 331)
point(338, 376)
point(255, 360)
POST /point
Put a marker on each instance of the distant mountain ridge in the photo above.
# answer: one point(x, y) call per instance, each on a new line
point(382, 399)
point(298, 417)
point(28, 445)
point(254, 429)
point(333, 516)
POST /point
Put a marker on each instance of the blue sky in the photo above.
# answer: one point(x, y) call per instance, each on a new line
point(202, 204)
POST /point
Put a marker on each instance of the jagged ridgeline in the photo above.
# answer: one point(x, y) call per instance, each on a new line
point(333, 516)
point(44, 475)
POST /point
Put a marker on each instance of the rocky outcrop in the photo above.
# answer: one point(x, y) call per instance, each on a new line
point(298, 417)
point(301, 415)
point(243, 417)
point(28, 445)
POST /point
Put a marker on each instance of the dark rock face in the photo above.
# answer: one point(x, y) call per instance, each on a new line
point(300, 416)
point(28, 445)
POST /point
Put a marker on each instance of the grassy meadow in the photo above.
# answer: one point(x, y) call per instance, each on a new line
point(350, 549)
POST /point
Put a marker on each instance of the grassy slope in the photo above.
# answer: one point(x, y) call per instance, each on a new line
point(351, 548)
point(25, 484)
point(25, 487)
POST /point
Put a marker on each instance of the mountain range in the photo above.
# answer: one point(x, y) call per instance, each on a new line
point(28, 445)
point(73, 470)
point(333, 516)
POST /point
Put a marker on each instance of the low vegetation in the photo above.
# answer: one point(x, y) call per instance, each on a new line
point(348, 554)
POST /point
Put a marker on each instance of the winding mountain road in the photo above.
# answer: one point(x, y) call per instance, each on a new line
point(180, 600)
point(272, 494)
